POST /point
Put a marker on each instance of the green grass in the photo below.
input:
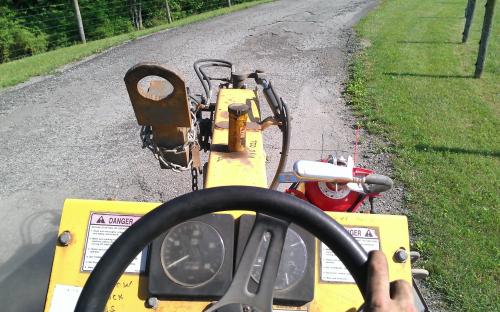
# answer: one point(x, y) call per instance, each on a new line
point(413, 85)
point(21, 70)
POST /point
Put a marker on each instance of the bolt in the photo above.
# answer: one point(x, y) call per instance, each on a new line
point(414, 256)
point(64, 238)
point(152, 303)
point(419, 274)
point(400, 255)
point(246, 308)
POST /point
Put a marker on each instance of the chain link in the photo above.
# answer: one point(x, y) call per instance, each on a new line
point(194, 178)
point(146, 135)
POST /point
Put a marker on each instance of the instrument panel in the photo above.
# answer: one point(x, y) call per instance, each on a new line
point(192, 253)
point(293, 261)
point(195, 260)
point(295, 281)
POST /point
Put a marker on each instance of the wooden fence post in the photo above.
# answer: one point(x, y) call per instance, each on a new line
point(79, 21)
point(169, 15)
point(140, 15)
point(483, 44)
point(469, 13)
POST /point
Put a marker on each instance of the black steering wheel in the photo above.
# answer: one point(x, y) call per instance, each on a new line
point(274, 210)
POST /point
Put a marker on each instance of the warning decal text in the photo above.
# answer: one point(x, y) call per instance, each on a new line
point(332, 269)
point(103, 230)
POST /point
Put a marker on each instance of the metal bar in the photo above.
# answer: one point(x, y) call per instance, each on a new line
point(169, 15)
point(483, 44)
point(469, 13)
point(79, 21)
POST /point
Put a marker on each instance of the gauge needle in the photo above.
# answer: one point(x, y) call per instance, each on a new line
point(177, 261)
point(286, 278)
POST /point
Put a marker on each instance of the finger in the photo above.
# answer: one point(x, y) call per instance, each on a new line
point(378, 279)
point(402, 292)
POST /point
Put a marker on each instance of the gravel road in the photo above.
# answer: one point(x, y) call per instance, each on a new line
point(74, 134)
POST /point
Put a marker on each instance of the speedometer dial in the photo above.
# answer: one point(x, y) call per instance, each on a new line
point(292, 264)
point(192, 253)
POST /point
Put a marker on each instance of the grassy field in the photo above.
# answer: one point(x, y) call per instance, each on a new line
point(21, 70)
point(413, 85)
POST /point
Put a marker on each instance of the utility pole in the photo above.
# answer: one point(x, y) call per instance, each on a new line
point(469, 13)
point(483, 44)
point(169, 15)
point(229, 3)
point(79, 21)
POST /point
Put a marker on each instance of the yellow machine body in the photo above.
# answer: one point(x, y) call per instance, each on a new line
point(131, 291)
point(237, 168)
point(68, 274)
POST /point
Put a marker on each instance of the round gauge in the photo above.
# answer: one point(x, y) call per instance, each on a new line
point(334, 190)
point(192, 253)
point(292, 264)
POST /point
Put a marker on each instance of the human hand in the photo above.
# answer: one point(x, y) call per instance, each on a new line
point(383, 296)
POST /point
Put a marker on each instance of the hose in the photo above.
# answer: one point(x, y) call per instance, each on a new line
point(285, 145)
point(204, 79)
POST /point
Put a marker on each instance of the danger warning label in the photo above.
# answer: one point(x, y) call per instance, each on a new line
point(102, 231)
point(332, 269)
point(108, 219)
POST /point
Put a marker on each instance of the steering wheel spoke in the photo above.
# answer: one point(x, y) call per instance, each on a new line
point(265, 228)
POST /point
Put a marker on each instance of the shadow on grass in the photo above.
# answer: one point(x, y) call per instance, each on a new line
point(455, 150)
point(428, 42)
point(426, 75)
point(441, 17)
point(448, 2)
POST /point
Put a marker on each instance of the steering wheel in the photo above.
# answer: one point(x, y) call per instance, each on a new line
point(274, 210)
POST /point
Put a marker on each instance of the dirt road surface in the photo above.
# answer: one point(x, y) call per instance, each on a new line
point(74, 134)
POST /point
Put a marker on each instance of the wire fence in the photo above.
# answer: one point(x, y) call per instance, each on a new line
point(27, 29)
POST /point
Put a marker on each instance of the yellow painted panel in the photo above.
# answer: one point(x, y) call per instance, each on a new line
point(245, 168)
point(130, 292)
point(393, 233)
point(68, 260)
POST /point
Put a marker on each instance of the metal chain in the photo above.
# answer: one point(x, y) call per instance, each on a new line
point(194, 178)
point(146, 135)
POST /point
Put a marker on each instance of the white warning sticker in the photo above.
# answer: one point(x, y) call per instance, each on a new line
point(64, 298)
point(290, 309)
point(332, 269)
point(102, 231)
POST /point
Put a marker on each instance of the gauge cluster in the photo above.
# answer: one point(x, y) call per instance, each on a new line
point(295, 281)
point(196, 260)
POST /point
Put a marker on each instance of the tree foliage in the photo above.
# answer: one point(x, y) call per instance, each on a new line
point(28, 27)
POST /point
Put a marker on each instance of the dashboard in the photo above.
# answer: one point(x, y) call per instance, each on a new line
point(196, 260)
point(192, 264)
